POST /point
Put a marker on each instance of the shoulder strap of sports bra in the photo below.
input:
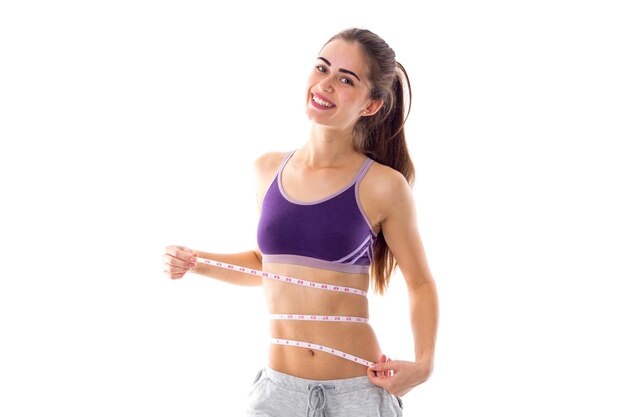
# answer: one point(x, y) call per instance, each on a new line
point(284, 162)
point(363, 170)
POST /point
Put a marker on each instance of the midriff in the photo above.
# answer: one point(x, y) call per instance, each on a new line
point(357, 339)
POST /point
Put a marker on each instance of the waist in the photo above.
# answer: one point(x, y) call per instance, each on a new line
point(356, 340)
point(295, 304)
point(297, 300)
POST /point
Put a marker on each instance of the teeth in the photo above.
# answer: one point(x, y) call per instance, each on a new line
point(321, 102)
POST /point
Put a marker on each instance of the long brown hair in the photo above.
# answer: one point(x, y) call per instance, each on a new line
point(381, 136)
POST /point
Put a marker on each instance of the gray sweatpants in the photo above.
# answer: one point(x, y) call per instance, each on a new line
point(275, 394)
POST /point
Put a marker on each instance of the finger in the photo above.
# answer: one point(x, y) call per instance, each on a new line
point(172, 250)
point(179, 262)
point(174, 271)
point(170, 260)
point(381, 381)
point(180, 252)
point(174, 275)
point(387, 366)
point(382, 359)
point(374, 365)
point(177, 269)
point(388, 373)
point(172, 263)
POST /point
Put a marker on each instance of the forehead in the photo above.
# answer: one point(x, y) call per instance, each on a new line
point(347, 55)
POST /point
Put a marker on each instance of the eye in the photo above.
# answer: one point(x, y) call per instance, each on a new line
point(321, 69)
point(347, 81)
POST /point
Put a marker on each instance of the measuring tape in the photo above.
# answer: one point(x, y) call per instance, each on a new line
point(309, 284)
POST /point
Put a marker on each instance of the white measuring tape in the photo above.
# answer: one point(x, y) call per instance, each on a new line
point(297, 343)
point(283, 278)
point(345, 319)
point(309, 284)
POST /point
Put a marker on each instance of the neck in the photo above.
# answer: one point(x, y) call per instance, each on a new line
point(328, 147)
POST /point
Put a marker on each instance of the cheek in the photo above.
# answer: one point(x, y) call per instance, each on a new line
point(310, 82)
point(313, 79)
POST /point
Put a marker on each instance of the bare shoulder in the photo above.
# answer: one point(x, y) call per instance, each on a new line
point(384, 183)
point(381, 189)
point(268, 163)
point(265, 167)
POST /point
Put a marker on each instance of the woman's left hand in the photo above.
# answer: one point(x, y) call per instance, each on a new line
point(398, 377)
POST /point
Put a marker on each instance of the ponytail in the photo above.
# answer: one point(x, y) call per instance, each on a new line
point(384, 141)
point(381, 136)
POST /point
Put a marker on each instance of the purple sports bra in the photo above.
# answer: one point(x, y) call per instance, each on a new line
point(332, 233)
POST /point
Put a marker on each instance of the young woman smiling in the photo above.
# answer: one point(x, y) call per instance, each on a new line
point(336, 214)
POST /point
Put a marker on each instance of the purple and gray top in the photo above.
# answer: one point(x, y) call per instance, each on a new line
point(332, 233)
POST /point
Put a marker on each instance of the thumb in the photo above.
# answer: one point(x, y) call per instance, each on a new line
point(384, 366)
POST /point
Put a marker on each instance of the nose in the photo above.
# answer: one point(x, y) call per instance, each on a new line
point(326, 85)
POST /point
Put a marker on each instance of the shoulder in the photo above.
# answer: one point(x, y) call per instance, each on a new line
point(268, 160)
point(265, 168)
point(385, 182)
point(268, 163)
point(385, 191)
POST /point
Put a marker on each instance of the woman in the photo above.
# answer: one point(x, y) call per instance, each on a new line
point(331, 212)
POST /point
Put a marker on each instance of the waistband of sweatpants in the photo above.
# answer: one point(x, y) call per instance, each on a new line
point(303, 385)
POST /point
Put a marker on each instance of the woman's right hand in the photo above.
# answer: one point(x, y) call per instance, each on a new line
point(178, 261)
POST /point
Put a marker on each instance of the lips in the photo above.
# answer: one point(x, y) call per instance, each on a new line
point(321, 102)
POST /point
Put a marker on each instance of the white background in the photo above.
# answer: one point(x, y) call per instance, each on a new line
point(129, 125)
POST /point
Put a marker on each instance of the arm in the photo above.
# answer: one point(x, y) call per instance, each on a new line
point(399, 226)
point(264, 168)
point(180, 260)
point(251, 259)
point(402, 236)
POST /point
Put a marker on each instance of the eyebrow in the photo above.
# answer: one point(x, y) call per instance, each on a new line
point(340, 69)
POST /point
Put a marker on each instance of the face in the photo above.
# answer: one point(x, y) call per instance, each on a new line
point(338, 88)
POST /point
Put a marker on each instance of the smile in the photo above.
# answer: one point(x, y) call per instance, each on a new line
point(321, 103)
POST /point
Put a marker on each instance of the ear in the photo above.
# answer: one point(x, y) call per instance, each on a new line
point(372, 107)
